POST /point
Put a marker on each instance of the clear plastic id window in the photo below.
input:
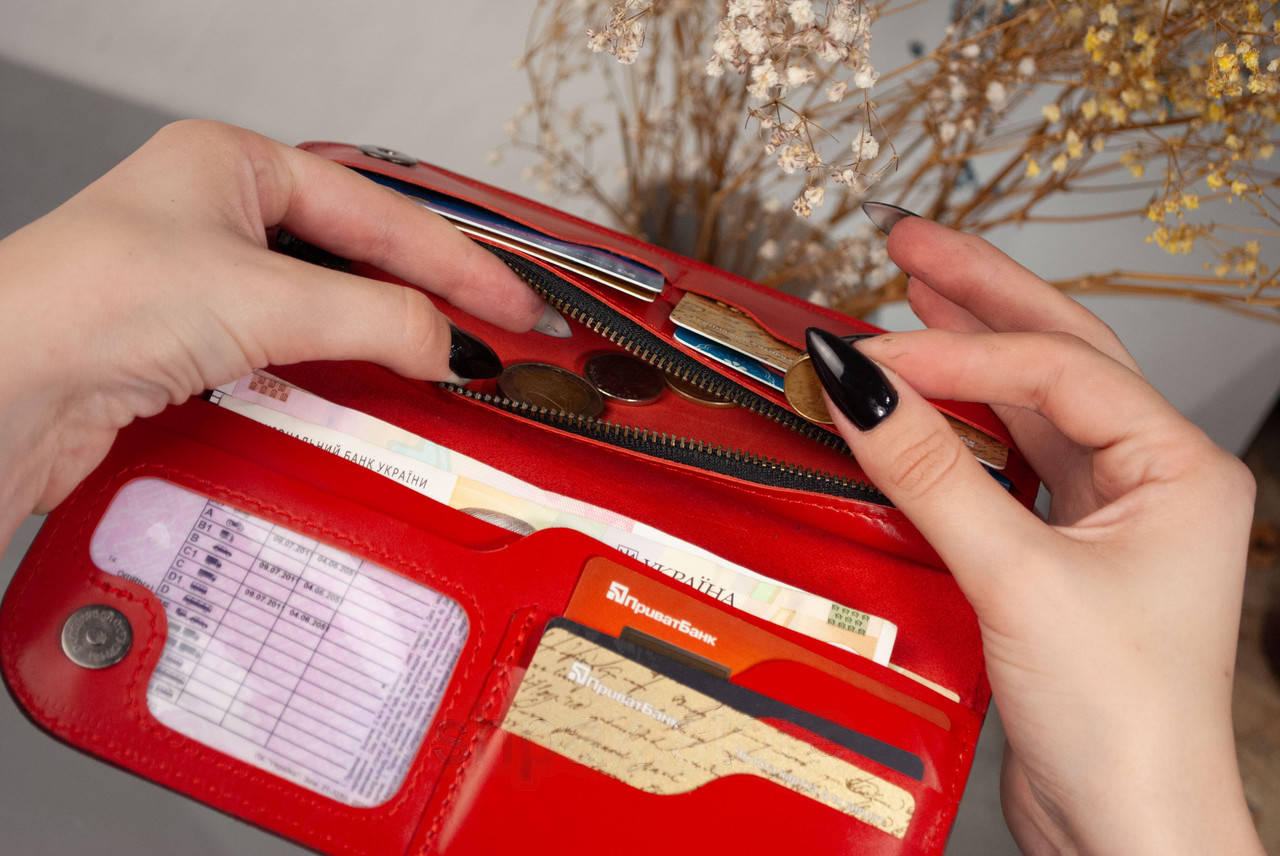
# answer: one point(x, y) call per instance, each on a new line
point(283, 652)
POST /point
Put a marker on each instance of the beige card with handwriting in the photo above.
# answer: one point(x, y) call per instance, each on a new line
point(735, 329)
point(617, 716)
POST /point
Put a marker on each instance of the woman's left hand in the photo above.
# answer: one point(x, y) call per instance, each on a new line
point(155, 283)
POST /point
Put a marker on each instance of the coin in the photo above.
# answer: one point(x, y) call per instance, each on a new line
point(624, 378)
point(96, 636)
point(552, 387)
point(696, 394)
point(804, 392)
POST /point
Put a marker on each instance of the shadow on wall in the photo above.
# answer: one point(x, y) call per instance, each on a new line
point(57, 137)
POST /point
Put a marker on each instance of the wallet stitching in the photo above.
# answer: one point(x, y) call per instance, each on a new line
point(501, 681)
point(85, 727)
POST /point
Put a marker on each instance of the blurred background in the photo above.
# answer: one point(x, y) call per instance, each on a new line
point(82, 85)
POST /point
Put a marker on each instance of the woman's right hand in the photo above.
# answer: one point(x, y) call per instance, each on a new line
point(1110, 629)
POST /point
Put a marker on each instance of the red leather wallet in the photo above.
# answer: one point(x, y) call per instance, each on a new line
point(789, 503)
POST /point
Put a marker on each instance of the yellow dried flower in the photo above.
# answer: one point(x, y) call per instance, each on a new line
point(1033, 168)
point(1179, 241)
point(1190, 201)
point(1051, 112)
point(1115, 111)
point(1093, 45)
point(1239, 188)
point(1089, 108)
point(1075, 147)
point(1059, 163)
point(1228, 64)
point(1214, 180)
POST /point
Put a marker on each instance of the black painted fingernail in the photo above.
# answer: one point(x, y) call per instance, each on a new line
point(855, 384)
point(884, 215)
point(469, 358)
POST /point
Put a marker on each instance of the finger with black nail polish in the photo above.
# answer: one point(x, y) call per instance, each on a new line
point(854, 383)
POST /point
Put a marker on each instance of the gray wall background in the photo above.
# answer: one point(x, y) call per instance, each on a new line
point(82, 84)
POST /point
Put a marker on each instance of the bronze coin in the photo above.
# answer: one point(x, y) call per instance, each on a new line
point(624, 378)
point(552, 387)
point(804, 392)
point(696, 394)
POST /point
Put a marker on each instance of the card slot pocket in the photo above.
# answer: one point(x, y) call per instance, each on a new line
point(519, 795)
point(575, 732)
point(835, 698)
point(527, 212)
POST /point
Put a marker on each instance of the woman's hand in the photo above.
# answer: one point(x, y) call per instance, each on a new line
point(1110, 630)
point(155, 283)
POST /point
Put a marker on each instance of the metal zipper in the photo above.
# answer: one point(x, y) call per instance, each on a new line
point(635, 339)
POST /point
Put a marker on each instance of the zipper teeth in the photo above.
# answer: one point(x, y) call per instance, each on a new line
point(620, 434)
point(690, 370)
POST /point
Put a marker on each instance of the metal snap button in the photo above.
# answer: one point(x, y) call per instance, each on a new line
point(96, 636)
point(383, 153)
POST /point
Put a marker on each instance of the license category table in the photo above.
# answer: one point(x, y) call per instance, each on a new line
point(283, 651)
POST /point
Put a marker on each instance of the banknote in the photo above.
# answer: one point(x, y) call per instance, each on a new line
point(460, 482)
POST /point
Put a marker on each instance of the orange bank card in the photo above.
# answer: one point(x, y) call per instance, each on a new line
point(610, 597)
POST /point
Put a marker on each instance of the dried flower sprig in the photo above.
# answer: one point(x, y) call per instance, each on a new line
point(720, 107)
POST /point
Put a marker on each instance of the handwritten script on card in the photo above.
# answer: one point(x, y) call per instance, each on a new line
point(627, 721)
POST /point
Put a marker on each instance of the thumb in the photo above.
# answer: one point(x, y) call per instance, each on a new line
point(910, 453)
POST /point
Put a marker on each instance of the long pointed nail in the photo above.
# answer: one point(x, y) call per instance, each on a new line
point(855, 384)
point(469, 358)
point(552, 323)
point(884, 215)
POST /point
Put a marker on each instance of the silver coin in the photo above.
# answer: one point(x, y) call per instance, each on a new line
point(96, 636)
point(624, 378)
point(500, 518)
point(545, 385)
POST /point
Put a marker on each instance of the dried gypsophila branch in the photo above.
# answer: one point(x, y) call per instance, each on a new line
point(1132, 92)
